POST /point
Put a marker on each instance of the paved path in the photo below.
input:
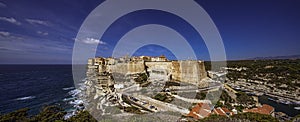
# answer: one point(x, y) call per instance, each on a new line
point(162, 106)
point(191, 100)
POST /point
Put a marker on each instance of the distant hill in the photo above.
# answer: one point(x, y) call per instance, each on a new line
point(276, 57)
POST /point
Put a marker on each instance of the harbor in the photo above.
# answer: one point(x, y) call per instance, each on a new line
point(288, 109)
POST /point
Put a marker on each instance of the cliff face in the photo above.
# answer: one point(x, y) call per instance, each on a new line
point(159, 70)
point(185, 71)
point(203, 72)
point(188, 71)
point(159, 66)
point(127, 68)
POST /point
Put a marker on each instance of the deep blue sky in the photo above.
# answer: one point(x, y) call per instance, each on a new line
point(36, 31)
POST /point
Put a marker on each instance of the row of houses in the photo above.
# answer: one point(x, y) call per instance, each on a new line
point(112, 61)
point(202, 110)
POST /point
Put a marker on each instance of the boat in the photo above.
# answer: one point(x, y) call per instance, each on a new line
point(237, 88)
point(297, 102)
point(282, 101)
point(272, 99)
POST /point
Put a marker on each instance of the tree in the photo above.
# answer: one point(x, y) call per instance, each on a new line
point(49, 113)
point(16, 116)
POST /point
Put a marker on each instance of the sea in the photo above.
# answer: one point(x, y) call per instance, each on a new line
point(36, 86)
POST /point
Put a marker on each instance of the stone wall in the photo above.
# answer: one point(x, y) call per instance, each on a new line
point(159, 70)
point(167, 65)
point(127, 68)
point(188, 71)
point(185, 71)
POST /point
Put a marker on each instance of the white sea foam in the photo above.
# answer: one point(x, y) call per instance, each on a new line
point(69, 115)
point(26, 98)
point(74, 92)
point(76, 102)
point(68, 99)
point(68, 88)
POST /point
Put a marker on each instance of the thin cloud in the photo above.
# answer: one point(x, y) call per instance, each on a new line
point(7, 36)
point(92, 41)
point(2, 5)
point(10, 20)
point(42, 33)
point(2, 33)
point(9, 49)
point(39, 22)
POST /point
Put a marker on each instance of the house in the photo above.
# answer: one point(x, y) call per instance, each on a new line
point(222, 111)
point(159, 58)
point(199, 111)
point(90, 61)
point(99, 61)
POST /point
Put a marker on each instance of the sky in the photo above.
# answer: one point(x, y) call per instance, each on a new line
point(44, 31)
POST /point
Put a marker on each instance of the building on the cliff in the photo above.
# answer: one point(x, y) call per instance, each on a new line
point(146, 58)
point(90, 61)
point(156, 67)
point(100, 63)
point(159, 58)
point(110, 61)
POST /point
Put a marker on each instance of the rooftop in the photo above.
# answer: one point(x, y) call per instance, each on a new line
point(200, 111)
point(264, 109)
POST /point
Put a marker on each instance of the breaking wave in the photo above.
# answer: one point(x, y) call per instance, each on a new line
point(74, 100)
point(68, 88)
point(26, 98)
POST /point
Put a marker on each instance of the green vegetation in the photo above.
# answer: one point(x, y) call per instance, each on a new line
point(239, 108)
point(47, 114)
point(142, 78)
point(201, 95)
point(255, 117)
point(82, 116)
point(16, 116)
point(276, 72)
point(295, 119)
point(243, 98)
point(133, 109)
point(227, 100)
point(171, 83)
point(215, 118)
point(223, 95)
point(163, 97)
point(55, 114)
point(243, 117)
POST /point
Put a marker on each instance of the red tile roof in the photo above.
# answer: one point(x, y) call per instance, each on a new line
point(264, 109)
point(222, 111)
point(200, 110)
point(226, 110)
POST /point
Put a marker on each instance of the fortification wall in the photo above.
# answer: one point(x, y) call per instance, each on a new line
point(189, 71)
point(159, 65)
point(127, 68)
point(185, 71)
